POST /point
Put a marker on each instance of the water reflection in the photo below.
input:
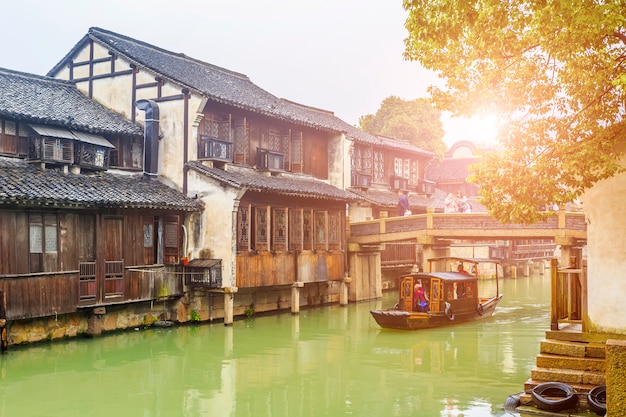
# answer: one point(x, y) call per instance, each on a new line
point(331, 361)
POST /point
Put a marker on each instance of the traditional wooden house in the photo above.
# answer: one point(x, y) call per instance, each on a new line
point(381, 169)
point(450, 174)
point(74, 234)
point(270, 171)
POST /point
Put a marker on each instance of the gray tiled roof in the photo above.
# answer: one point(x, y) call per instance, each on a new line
point(23, 184)
point(45, 100)
point(285, 184)
point(455, 169)
point(225, 86)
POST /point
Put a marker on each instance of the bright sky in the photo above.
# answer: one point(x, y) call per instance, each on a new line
point(339, 55)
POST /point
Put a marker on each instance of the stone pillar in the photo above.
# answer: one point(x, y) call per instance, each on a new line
point(229, 304)
point(94, 322)
point(295, 297)
point(542, 267)
point(615, 377)
point(343, 291)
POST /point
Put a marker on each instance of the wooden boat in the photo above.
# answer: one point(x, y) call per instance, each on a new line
point(434, 299)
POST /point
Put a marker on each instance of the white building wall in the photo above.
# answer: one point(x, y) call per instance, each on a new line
point(216, 237)
point(606, 244)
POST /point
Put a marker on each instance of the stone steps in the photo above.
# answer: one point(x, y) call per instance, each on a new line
point(571, 358)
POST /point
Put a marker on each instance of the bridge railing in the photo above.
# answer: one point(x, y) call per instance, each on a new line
point(562, 224)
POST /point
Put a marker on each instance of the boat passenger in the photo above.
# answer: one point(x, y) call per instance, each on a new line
point(419, 299)
point(461, 269)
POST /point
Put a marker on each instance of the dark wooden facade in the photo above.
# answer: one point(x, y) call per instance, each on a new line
point(285, 240)
point(232, 135)
point(56, 261)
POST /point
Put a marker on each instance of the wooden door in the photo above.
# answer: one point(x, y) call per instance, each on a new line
point(113, 285)
point(406, 294)
point(436, 294)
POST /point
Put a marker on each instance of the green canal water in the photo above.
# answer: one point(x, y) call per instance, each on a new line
point(328, 361)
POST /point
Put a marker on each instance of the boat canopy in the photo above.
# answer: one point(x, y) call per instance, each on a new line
point(460, 259)
point(444, 276)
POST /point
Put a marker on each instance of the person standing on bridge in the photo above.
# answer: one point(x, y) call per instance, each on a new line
point(404, 208)
point(449, 204)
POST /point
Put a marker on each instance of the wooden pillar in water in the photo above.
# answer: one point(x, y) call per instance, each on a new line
point(295, 297)
point(343, 291)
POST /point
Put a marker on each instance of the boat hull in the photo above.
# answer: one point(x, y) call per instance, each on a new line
point(413, 320)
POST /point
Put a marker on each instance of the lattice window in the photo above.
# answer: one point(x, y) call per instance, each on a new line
point(286, 147)
point(296, 151)
point(43, 233)
point(274, 140)
point(379, 166)
point(242, 140)
point(279, 229)
point(171, 238)
point(215, 126)
point(321, 230)
point(397, 167)
point(367, 160)
point(335, 229)
point(307, 230)
point(414, 178)
point(261, 234)
point(402, 167)
point(295, 229)
point(243, 228)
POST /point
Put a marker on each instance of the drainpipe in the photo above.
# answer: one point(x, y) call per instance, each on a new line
point(151, 137)
point(185, 139)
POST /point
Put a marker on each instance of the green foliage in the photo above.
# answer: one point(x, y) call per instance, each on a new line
point(555, 73)
point(194, 316)
point(148, 321)
point(416, 121)
point(249, 311)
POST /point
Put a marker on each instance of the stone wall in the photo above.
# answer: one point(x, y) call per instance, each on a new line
point(201, 306)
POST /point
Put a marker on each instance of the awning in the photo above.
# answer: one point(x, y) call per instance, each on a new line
point(59, 132)
point(204, 263)
point(53, 132)
point(93, 139)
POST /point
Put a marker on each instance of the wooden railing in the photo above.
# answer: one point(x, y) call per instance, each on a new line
point(568, 291)
point(55, 293)
point(40, 294)
point(398, 254)
point(87, 287)
point(113, 279)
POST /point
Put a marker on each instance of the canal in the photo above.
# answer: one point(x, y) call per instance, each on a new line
point(328, 361)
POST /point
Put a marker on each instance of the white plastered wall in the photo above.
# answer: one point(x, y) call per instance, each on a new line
point(216, 230)
point(606, 257)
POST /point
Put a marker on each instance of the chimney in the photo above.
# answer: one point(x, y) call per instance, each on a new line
point(151, 137)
